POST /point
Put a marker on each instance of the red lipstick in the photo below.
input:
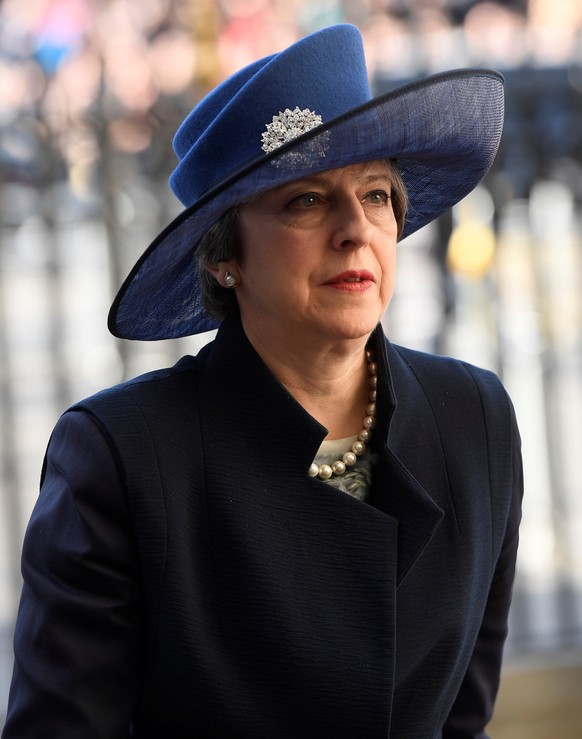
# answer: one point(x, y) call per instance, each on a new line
point(354, 280)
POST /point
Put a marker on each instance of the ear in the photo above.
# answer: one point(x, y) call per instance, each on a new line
point(219, 270)
point(215, 269)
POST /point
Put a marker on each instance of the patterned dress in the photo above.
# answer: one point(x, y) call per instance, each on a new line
point(356, 481)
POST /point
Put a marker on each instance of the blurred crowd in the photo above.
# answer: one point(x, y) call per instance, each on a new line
point(77, 73)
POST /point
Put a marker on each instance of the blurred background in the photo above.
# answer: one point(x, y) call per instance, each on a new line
point(90, 96)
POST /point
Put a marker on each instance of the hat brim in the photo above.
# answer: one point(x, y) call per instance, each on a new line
point(443, 131)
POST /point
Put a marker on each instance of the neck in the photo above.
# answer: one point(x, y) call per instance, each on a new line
point(329, 379)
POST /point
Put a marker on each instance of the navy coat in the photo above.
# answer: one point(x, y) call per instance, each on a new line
point(185, 577)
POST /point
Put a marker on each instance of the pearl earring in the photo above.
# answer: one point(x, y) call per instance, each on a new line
point(230, 280)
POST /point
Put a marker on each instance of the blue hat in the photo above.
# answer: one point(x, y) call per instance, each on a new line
point(306, 109)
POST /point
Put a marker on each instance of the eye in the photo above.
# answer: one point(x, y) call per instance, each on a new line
point(305, 201)
point(377, 197)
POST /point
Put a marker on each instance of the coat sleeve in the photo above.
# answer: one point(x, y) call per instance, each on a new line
point(77, 639)
point(473, 706)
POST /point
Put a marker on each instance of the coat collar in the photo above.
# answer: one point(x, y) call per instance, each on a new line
point(405, 419)
point(250, 399)
point(280, 439)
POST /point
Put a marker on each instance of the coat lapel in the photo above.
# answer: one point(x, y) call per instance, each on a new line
point(408, 442)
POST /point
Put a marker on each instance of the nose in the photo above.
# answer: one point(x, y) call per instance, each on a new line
point(352, 229)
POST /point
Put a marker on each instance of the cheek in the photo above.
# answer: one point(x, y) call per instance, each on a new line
point(270, 253)
point(388, 274)
point(248, 243)
point(265, 265)
point(259, 242)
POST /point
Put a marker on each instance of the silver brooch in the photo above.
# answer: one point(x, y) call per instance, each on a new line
point(288, 125)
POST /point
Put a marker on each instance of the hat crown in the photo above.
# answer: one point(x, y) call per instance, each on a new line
point(324, 73)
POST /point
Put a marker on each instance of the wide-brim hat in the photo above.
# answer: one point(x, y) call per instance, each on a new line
point(304, 110)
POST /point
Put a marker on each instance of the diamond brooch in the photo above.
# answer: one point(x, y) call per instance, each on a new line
point(288, 125)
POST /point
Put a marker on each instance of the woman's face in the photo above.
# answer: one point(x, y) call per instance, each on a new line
point(318, 257)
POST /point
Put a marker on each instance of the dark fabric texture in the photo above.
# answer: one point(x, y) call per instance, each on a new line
point(185, 577)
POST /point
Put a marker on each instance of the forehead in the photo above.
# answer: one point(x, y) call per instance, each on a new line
point(353, 172)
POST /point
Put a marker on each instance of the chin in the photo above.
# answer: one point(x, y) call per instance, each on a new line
point(352, 329)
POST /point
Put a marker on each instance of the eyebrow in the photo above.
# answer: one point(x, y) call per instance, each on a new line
point(382, 176)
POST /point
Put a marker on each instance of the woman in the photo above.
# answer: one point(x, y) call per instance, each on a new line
point(190, 569)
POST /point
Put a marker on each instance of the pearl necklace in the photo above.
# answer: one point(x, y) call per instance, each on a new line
point(349, 458)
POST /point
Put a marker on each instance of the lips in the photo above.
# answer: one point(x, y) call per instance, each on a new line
point(352, 277)
point(352, 281)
